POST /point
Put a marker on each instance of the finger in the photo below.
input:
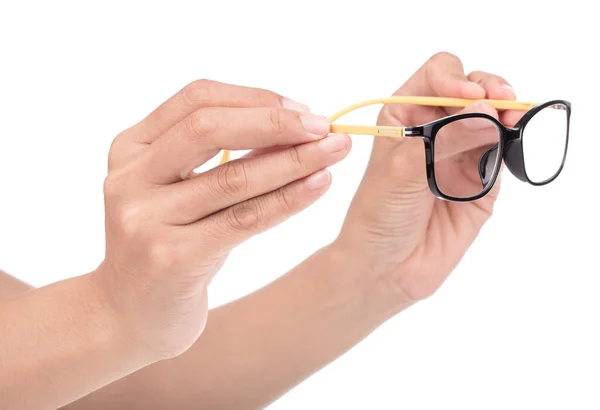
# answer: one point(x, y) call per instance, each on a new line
point(446, 75)
point(496, 87)
point(230, 227)
point(442, 75)
point(200, 136)
point(262, 151)
point(240, 180)
point(205, 93)
point(510, 118)
point(252, 154)
point(467, 134)
point(495, 191)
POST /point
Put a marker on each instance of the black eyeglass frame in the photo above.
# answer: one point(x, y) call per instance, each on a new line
point(510, 145)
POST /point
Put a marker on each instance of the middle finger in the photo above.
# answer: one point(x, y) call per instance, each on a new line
point(245, 178)
point(200, 136)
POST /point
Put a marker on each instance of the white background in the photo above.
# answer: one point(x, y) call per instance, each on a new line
point(516, 325)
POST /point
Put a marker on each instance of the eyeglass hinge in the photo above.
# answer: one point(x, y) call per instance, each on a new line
point(413, 131)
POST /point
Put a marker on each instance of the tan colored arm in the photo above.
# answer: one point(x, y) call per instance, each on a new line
point(257, 348)
point(435, 102)
point(58, 343)
point(11, 287)
point(413, 100)
point(368, 130)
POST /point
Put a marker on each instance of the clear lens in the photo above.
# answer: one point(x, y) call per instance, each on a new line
point(466, 157)
point(544, 143)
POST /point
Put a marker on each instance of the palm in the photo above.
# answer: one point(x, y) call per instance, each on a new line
point(395, 223)
point(452, 228)
point(405, 231)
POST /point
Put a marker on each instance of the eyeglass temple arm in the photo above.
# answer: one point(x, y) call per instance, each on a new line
point(390, 131)
point(427, 101)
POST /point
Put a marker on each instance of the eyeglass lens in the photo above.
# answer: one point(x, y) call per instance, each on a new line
point(466, 156)
point(544, 143)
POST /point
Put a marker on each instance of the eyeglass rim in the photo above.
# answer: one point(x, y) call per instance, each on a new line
point(522, 125)
point(511, 135)
point(430, 131)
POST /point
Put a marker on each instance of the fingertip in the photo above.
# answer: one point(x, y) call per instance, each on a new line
point(348, 142)
point(335, 143)
point(482, 107)
point(510, 118)
point(319, 181)
point(508, 91)
point(316, 126)
point(501, 91)
point(472, 90)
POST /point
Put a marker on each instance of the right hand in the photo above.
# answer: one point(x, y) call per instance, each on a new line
point(169, 230)
point(396, 229)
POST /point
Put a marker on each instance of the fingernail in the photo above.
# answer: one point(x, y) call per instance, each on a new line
point(290, 104)
point(318, 180)
point(333, 143)
point(316, 125)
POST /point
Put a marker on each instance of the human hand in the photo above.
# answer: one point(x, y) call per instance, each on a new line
point(168, 230)
point(396, 229)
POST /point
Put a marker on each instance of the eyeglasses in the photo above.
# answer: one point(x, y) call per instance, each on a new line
point(464, 152)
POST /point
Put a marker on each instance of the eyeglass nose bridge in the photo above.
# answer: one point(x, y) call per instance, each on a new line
point(511, 134)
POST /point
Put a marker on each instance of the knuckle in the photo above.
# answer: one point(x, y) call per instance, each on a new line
point(286, 200)
point(115, 144)
point(129, 219)
point(162, 256)
point(202, 124)
point(443, 56)
point(295, 157)
point(477, 73)
point(114, 151)
point(399, 163)
point(395, 114)
point(276, 120)
point(112, 186)
point(199, 91)
point(231, 178)
point(243, 217)
point(480, 77)
point(501, 79)
point(266, 98)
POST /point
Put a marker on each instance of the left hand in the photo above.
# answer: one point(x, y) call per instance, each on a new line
point(396, 229)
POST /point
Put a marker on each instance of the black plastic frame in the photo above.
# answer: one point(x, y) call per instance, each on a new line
point(510, 144)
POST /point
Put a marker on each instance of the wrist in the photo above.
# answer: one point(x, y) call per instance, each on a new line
point(63, 343)
point(160, 317)
point(114, 329)
point(376, 289)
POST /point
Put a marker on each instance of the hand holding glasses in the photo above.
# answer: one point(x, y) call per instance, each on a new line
point(464, 152)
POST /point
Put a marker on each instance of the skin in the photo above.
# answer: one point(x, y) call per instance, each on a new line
point(397, 246)
point(168, 231)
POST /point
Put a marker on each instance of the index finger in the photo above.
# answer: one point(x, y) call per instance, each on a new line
point(496, 87)
point(446, 75)
point(201, 135)
point(201, 94)
point(442, 75)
